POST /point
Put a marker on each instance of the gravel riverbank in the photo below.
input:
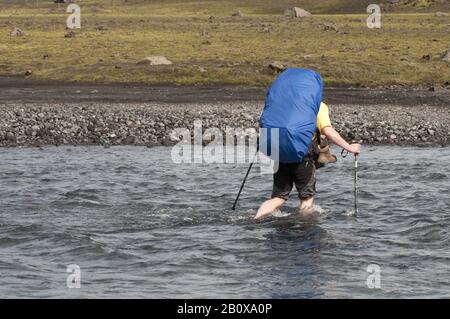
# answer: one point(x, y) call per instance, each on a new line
point(37, 124)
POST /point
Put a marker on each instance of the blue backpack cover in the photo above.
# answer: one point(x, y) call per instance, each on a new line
point(292, 104)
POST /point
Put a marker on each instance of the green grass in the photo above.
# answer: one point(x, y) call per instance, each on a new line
point(236, 51)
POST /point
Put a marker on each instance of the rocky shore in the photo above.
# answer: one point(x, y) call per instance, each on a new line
point(94, 123)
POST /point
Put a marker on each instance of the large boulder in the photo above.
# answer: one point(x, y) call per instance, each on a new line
point(16, 32)
point(277, 66)
point(297, 12)
point(237, 14)
point(330, 27)
point(446, 56)
point(156, 60)
point(70, 34)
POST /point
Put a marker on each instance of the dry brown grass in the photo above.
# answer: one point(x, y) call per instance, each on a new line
point(235, 49)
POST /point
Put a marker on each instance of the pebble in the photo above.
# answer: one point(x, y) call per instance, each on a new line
point(152, 124)
point(10, 137)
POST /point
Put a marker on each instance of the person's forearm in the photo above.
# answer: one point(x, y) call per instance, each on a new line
point(336, 138)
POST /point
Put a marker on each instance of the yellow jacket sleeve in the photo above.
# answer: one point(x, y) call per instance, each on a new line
point(323, 117)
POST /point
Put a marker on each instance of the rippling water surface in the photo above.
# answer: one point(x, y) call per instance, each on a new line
point(140, 226)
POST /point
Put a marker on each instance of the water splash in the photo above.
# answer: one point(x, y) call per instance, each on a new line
point(319, 210)
point(290, 211)
point(280, 214)
point(349, 213)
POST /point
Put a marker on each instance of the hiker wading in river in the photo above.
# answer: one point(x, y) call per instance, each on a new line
point(294, 107)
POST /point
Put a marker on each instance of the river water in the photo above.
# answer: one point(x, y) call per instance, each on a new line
point(138, 225)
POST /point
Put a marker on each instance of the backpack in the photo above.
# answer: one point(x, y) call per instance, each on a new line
point(291, 108)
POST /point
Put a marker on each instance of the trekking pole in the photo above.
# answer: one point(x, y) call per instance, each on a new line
point(245, 178)
point(344, 154)
point(356, 184)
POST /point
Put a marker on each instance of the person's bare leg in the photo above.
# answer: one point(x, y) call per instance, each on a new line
point(269, 207)
point(307, 206)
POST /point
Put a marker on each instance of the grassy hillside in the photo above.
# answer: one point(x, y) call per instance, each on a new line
point(116, 34)
point(219, 7)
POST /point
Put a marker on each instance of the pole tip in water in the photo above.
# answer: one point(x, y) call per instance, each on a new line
point(349, 213)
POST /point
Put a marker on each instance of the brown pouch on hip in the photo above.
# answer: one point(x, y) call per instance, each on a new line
point(325, 156)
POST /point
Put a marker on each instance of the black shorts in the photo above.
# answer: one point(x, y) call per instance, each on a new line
point(303, 175)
